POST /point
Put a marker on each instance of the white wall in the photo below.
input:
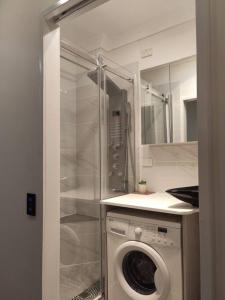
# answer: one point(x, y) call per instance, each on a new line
point(173, 166)
point(169, 166)
point(168, 45)
point(21, 136)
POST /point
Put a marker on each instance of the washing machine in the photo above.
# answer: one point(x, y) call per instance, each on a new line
point(144, 257)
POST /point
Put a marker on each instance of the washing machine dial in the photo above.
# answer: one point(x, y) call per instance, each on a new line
point(138, 231)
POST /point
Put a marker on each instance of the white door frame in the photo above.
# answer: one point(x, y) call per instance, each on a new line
point(211, 95)
point(51, 168)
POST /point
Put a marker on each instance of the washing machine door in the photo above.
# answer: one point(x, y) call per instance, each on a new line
point(141, 272)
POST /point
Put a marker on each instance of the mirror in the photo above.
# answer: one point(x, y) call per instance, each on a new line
point(169, 103)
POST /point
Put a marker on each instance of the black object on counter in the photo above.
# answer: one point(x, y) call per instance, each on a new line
point(187, 194)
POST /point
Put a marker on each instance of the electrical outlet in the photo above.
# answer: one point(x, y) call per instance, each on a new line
point(146, 52)
point(147, 162)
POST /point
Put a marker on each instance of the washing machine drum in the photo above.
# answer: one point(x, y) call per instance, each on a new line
point(141, 272)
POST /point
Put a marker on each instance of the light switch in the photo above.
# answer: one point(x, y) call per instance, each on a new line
point(31, 204)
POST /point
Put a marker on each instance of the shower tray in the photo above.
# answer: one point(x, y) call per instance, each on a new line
point(92, 293)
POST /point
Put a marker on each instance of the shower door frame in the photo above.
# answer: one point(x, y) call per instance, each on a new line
point(51, 215)
point(51, 236)
point(51, 144)
point(51, 148)
point(88, 59)
point(101, 69)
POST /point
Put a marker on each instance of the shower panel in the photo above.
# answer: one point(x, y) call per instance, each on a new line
point(97, 146)
point(117, 133)
point(118, 122)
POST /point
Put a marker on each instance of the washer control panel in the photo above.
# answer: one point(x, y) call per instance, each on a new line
point(155, 234)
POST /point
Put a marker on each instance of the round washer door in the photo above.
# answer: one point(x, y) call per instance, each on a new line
point(141, 272)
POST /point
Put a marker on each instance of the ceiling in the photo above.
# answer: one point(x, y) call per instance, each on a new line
point(119, 22)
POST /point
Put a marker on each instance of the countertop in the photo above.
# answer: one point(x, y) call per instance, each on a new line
point(158, 202)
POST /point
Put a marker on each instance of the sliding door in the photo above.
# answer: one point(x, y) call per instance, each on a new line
point(80, 184)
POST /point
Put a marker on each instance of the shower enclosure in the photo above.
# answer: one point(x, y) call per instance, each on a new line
point(97, 161)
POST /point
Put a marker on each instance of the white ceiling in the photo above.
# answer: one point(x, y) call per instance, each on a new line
point(119, 22)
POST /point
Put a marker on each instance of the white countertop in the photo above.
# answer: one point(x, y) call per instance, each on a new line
point(158, 202)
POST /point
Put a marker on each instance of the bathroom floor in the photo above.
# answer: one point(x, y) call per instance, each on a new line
point(80, 265)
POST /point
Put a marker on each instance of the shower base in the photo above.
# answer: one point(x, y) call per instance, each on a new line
point(92, 293)
point(80, 265)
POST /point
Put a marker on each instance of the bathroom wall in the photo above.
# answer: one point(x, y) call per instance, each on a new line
point(170, 165)
point(48, 3)
point(21, 161)
point(168, 45)
point(175, 165)
point(67, 132)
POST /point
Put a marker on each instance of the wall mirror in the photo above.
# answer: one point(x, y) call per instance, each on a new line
point(169, 103)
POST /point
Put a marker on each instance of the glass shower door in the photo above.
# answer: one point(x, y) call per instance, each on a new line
point(80, 240)
point(97, 162)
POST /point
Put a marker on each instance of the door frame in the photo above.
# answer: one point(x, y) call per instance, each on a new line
point(210, 61)
point(51, 166)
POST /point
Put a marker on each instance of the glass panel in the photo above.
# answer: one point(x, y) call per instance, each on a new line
point(80, 270)
point(139, 272)
point(183, 90)
point(191, 117)
point(177, 84)
point(153, 117)
point(158, 78)
point(117, 136)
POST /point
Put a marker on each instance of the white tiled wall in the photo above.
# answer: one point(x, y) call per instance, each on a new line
point(169, 166)
point(67, 133)
point(80, 146)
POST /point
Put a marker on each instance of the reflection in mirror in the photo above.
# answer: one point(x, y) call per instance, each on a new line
point(169, 103)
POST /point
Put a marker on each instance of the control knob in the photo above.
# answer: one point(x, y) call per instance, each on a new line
point(116, 156)
point(138, 231)
point(115, 166)
point(116, 147)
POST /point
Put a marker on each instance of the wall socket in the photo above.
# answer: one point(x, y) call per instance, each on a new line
point(147, 162)
point(146, 52)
